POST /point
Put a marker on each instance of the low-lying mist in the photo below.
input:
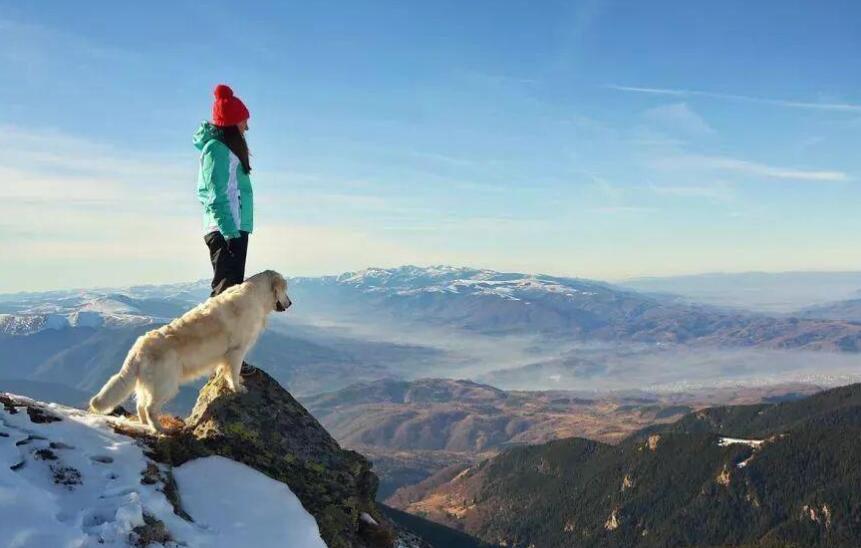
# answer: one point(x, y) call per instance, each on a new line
point(520, 362)
point(676, 368)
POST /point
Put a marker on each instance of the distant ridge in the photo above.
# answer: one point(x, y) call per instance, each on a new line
point(767, 292)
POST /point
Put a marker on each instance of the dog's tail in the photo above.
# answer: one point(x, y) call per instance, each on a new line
point(118, 387)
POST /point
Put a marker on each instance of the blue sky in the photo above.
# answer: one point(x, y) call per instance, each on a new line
point(599, 139)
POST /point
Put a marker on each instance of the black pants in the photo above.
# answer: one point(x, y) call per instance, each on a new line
point(228, 260)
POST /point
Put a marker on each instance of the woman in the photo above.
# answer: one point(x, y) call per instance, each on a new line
point(224, 188)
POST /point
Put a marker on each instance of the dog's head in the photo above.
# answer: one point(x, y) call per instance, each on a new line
point(279, 292)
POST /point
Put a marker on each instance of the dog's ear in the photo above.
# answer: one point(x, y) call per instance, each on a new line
point(278, 285)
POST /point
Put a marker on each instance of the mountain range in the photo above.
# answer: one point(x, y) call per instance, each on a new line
point(781, 293)
point(414, 429)
point(783, 474)
point(847, 310)
point(496, 303)
point(511, 330)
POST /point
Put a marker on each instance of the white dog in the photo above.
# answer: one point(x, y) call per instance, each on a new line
point(215, 334)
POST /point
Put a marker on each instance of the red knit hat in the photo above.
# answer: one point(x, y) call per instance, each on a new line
point(228, 110)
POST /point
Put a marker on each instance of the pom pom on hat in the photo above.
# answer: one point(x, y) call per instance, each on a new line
point(223, 91)
point(228, 109)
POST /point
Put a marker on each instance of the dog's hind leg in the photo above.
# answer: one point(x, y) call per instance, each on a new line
point(143, 399)
point(149, 417)
point(142, 418)
point(152, 412)
point(160, 391)
point(145, 409)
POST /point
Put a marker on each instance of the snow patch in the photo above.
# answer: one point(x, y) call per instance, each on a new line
point(69, 479)
point(239, 506)
point(723, 442)
point(756, 445)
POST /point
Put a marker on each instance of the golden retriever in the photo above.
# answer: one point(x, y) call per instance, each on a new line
point(215, 334)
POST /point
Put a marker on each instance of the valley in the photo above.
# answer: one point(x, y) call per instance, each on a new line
point(769, 474)
point(414, 430)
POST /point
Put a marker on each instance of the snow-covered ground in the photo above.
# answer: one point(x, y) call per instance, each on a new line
point(753, 444)
point(239, 506)
point(723, 442)
point(76, 482)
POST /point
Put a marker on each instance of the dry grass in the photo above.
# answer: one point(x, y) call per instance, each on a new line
point(171, 423)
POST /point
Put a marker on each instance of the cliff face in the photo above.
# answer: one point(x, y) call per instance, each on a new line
point(268, 430)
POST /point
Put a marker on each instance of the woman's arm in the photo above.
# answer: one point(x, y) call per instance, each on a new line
point(216, 173)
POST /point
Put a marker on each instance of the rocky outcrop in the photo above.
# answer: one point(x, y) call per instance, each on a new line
point(268, 430)
point(264, 428)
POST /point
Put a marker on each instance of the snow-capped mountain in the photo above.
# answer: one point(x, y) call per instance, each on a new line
point(28, 313)
point(466, 299)
point(498, 303)
point(512, 330)
point(413, 280)
point(478, 300)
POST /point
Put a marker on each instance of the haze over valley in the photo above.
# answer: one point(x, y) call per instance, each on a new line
point(513, 331)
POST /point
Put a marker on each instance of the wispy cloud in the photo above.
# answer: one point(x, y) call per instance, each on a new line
point(622, 209)
point(719, 191)
point(679, 117)
point(48, 151)
point(745, 167)
point(605, 187)
point(839, 107)
point(88, 228)
point(29, 49)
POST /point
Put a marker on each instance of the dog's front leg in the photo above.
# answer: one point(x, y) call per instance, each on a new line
point(234, 366)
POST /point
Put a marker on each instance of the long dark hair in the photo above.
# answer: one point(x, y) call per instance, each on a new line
point(235, 141)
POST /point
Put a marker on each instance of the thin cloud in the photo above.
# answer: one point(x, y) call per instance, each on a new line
point(838, 107)
point(607, 188)
point(623, 209)
point(51, 151)
point(753, 168)
point(653, 91)
point(29, 45)
point(679, 117)
point(745, 167)
point(717, 192)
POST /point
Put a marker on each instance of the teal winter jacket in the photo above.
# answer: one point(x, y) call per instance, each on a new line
point(223, 187)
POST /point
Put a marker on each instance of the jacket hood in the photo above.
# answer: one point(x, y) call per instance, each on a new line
point(204, 134)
